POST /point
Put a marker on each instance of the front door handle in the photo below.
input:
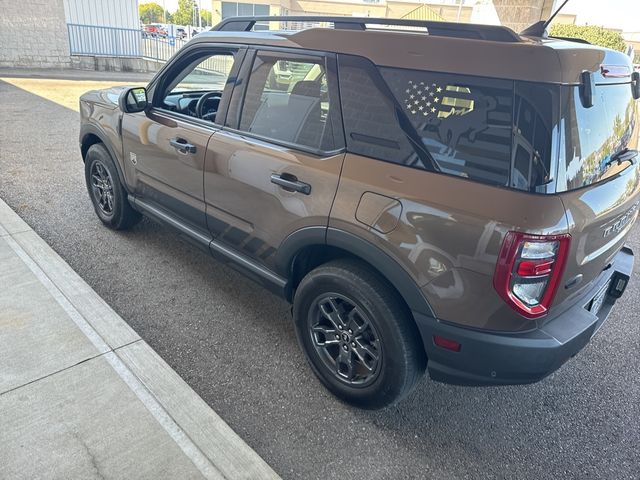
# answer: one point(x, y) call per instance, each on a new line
point(182, 145)
point(290, 183)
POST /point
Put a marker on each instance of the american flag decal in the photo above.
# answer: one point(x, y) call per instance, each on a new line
point(422, 99)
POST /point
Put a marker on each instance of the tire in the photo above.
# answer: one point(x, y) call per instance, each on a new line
point(378, 356)
point(105, 189)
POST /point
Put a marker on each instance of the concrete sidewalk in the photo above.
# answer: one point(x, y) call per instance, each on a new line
point(82, 396)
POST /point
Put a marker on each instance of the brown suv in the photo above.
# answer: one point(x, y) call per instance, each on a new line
point(455, 198)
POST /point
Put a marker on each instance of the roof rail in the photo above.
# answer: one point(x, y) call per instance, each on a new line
point(435, 28)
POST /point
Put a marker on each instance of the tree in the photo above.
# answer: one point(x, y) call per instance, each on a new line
point(184, 14)
point(150, 13)
point(592, 34)
point(206, 18)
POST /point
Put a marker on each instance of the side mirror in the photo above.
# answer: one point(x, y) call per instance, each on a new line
point(133, 100)
point(635, 85)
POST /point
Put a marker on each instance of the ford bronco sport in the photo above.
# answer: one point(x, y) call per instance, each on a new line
point(454, 198)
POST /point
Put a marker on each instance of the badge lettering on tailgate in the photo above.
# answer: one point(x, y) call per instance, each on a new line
point(622, 221)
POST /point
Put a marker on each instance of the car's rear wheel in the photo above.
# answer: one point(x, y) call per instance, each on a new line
point(107, 194)
point(357, 334)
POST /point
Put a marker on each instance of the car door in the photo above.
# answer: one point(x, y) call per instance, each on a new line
point(167, 144)
point(275, 166)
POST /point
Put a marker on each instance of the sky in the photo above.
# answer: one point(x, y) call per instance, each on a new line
point(620, 14)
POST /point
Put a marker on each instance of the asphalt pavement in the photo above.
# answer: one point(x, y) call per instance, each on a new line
point(234, 344)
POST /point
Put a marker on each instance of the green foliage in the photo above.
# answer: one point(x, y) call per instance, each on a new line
point(184, 14)
point(206, 18)
point(187, 14)
point(591, 33)
point(150, 13)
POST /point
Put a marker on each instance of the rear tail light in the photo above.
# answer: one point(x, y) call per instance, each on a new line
point(529, 270)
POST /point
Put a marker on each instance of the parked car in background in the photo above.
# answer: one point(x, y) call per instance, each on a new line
point(154, 30)
point(419, 210)
point(181, 33)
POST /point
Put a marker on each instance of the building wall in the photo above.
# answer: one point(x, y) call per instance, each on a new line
point(106, 13)
point(382, 8)
point(33, 33)
point(103, 27)
point(565, 18)
point(452, 13)
point(519, 14)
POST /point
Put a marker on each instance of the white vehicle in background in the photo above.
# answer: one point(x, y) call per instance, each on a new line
point(181, 33)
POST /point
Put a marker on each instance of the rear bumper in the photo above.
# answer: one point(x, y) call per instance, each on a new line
point(487, 358)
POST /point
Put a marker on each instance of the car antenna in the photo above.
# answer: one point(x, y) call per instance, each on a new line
point(538, 29)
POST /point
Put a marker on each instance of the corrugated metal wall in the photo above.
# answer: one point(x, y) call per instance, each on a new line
point(103, 27)
point(104, 13)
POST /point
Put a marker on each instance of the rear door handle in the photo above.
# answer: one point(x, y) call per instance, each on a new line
point(290, 183)
point(182, 145)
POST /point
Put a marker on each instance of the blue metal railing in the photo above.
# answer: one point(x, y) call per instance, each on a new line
point(129, 42)
point(160, 48)
point(109, 41)
point(121, 42)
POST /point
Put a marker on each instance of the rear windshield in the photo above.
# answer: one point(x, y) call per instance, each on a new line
point(594, 136)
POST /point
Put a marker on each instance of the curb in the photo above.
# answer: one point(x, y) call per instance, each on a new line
point(213, 447)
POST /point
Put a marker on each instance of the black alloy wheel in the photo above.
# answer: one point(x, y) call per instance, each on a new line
point(357, 334)
point(102, 188)
point(108, 195)
point(345, 339)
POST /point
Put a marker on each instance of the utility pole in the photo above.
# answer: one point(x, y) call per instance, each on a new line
point(459, 10)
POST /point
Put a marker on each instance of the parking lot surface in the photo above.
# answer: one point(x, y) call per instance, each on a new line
point(234, 344)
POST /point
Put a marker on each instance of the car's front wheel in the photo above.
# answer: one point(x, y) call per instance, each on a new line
point(357, 334)
point(107, 194)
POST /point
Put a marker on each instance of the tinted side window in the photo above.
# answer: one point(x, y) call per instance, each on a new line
point(204, 74)
point(593, 136)
point(194, 76)
point(534, 119)
point(370, 121)
point(464, 122)
point(287, 100)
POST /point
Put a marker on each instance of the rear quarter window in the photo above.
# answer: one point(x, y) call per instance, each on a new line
point(494, 131)
point(464, 122)
point(369, 116)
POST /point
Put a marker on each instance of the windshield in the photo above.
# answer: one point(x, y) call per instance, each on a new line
point(596, 136)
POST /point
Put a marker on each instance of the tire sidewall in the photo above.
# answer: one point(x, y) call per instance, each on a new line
point(97, 153)
point(391, 377)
